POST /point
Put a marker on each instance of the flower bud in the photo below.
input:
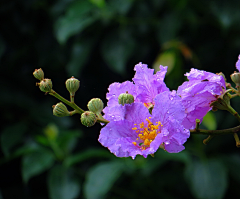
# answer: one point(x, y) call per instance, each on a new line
point(51, 131)
point(125, 98)
point(236, 78)
point(45, 85)
point(95, 105)
point(38, 74)
point(88, 118)
point(72, 85)
point(60, 110)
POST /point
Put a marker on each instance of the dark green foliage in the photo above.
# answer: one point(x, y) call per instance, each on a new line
point(99, 42)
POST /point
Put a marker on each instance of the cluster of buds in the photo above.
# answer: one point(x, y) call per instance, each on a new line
point(95, 105)
point(45, 85)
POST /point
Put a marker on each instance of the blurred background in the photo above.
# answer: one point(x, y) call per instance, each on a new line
point(99, 42)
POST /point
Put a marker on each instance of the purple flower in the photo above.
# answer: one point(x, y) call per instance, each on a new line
point(144, 89)
point(136, 131)
point(198, 93)
point(115, 89)
point(238, 63)
point(148, 84)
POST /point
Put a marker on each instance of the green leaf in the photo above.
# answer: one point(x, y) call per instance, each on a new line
point(207, 180)
point(121, 8)
point(209, 121)
point(36, 162)
point(79, 56)
point(100, 179)
point(62, 183)
point(166, 58)
point(84, 155)
point(99, 3)
point(11, 136)
point(116, 49)
point(67, 140)
point(78, 16)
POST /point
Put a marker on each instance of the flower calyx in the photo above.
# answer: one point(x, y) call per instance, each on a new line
point(38, 74)
point(88, 118)
point(125, 98)
point(95, 105)
point(222, 102)
point(45, 85)
point(236, 79)
point(60, 110)
point(72, 85)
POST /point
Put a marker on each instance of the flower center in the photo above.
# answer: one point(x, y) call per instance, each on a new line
point(146, 133)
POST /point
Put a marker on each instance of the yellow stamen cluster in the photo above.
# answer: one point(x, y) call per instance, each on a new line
point(147, 134)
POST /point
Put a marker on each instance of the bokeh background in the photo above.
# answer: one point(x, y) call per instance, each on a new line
point(99, 42)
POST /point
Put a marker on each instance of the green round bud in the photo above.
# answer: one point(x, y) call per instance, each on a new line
point(45, 85)
point(88, 118)
point(72, 85)
point(38, 74)
point(125, 98)
point(60, 110)
point(95, 105)
point(236, 78)
point(51, 131)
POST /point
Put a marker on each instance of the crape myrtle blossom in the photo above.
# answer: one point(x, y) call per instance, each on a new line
point(144, 89)
point(238, 63)
point(136, 131)
point(148, 85)
point(198, 93)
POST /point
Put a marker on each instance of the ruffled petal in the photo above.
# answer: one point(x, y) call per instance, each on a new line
point(149, 85)
point(115, 89)
point(238, 63)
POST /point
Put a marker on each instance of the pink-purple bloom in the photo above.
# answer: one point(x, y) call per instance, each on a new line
point(132, 129)
point(148, 84)
point(144, 89)
point(138, 132)
point(198, 93)
point(238, 63)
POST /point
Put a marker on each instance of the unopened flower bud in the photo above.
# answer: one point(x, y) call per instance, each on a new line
point(38, 74)
point(236, 78)
point(88, 118)
point(51, 131)
point(45, 85)
point(95, 105)
point(72, 85)
point(60, 110)
point(125, 98)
